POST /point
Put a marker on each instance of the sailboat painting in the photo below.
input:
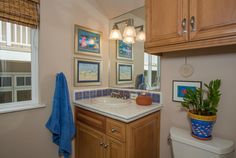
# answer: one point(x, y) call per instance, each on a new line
point(87, 72)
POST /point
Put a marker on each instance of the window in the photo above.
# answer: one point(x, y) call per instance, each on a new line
point(18, 65)
point(152, 71)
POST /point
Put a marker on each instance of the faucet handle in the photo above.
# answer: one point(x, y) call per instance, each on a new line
point(125, 97)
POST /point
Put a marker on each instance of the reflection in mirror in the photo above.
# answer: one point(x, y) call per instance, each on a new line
point(130, 66)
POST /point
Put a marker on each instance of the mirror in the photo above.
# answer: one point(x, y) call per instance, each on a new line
point(130, 66)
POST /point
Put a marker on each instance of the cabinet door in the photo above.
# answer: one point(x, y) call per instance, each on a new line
point(89, 142)
point(114, 148)
point(166, 22)
point(212, 19)
point(143, 137)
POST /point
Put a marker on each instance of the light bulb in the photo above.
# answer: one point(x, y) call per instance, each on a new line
point(141, 36)
point(129, 31)
point(129, 40)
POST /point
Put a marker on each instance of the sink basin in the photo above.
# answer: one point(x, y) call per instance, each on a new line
point(107, 101)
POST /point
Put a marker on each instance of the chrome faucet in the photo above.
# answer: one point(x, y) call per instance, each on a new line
point(118, 95)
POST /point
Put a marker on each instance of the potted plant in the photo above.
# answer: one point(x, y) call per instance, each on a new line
point(202, 108)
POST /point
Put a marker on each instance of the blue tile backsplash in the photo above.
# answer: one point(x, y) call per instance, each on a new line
point(86, 94)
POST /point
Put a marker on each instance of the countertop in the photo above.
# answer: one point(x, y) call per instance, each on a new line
point(125, 112)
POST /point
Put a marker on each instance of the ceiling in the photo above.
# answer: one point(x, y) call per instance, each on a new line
point(114, 8)
point(140, 12)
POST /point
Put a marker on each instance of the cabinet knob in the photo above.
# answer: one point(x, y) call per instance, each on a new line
point(106, 145)
point(101, 143)
point(113, 130)
point(184, 25)
point(192, 23)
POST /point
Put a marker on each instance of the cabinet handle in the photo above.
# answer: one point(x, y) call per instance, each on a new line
point(192, 23)
point(113, 130)
point(101, 143)
point(184, 25)
point(106, 145)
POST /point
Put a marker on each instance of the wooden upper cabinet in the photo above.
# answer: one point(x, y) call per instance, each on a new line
point(209, 23)
point(166, 22)
point(212, 19)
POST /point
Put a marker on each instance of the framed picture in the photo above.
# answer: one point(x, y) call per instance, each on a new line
point(87, 41)
point(179, 89)
point(124, 73)
point(124, 50)
point(87, 72)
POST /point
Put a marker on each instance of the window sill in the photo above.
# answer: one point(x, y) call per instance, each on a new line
point(21, 108)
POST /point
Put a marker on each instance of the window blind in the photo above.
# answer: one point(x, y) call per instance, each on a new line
point(22, 12)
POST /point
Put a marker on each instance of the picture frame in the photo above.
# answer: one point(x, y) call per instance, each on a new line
point(124, 51)
point(124, 73)
point(87, 72)
point(179, 89)
point(87, 41)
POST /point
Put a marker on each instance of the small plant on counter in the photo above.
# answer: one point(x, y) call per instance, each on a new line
point(202, 106)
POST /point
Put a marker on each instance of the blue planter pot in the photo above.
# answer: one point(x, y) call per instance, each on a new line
point(202, 126)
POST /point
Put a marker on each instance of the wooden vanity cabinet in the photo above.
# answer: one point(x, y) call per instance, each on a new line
point(138, 139)
point(116, 148)
point(89, 142)
point(189, 24)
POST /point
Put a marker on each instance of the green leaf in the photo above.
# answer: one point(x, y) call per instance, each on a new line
point(193, 100)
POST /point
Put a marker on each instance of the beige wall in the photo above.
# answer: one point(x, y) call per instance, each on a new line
point(23, 134)
point(138, 52)
point(206, 68)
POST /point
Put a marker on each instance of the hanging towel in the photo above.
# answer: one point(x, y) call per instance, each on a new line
point(140, 82)
point(61, 122)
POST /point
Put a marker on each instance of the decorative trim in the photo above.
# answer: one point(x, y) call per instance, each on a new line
point(20, 108)
point(89, 94)
point(152, 48)
point(202, 118)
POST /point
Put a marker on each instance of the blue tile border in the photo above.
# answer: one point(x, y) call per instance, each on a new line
point(86, 94)
point(79, 96)
point(99, 93)
point(93, 94)
point(105, 92)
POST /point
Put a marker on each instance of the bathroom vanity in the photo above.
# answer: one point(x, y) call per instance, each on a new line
point(116, 128)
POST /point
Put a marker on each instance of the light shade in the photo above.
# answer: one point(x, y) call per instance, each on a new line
point(141, 36)
point(115, 33)
point(129, 40)
point(129, 31)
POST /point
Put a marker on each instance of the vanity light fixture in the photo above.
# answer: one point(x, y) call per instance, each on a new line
point(129, 40)
point(129, 30)
point(115, 33)
point(129, 33)
point(141, 36)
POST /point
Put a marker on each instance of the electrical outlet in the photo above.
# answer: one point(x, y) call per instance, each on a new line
point(133, 95)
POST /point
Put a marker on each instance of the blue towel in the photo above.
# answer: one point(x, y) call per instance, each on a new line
point(61, 122)
point(140, 82)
